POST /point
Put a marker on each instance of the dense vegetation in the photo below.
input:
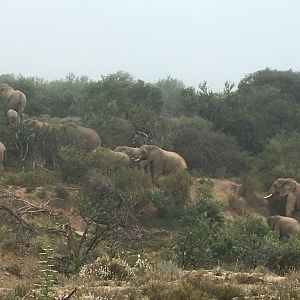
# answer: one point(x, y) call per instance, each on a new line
point(250, 131)
point(252, 127)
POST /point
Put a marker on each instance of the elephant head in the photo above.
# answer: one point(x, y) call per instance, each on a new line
point(288, 188)
point(147, 152)
point(282, 187)
point(4, 88)
point(17, 99)
point(12, 117)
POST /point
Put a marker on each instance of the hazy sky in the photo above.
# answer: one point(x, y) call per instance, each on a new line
point(192, 40)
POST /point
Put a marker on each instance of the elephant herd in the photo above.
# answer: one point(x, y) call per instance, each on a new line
point(154, 160)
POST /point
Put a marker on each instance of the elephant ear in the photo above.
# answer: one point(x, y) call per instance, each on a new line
point(154, 154)
point(288, 187)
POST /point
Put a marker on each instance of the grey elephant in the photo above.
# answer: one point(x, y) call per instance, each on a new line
point(289, 188)
point(17, 99)
point(89, 137)
point(12, 117)
point(2, 155)
point(284, 226)
point(133, 154)
point(161, 162)
point(122, 155)
point(130, 151)
point(35, 125)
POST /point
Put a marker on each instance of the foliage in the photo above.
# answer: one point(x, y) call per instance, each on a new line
point(32, 179)
point(238, 240)
point(76, 163)
point(200, 225)
point(106, 268)
point(48, 276)
point(192, 290)
point(177, 187)
point(62, 192)
point(212, 153)
point(278, 158)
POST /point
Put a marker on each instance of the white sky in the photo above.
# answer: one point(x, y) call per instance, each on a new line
point(192, 40)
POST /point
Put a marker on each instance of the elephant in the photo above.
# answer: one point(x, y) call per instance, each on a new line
point(133, 155)
point(35, 125)
point(131, 152)
point(122, 155)
point(88, 136)
point(2, 155)
point(289, 188)
point(12, 117)
point(161, 162)
point(17, 99)
point(284, 226)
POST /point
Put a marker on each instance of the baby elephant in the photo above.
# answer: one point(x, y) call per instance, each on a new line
point(12, 117)
point(285, 226)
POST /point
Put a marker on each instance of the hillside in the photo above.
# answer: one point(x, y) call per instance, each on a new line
point(19, 264)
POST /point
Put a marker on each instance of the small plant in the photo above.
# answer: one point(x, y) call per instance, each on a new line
point(31, 179)
point(42, 194)
point(177, 186)
point(107, 268)
point(62, 192)
point(47, 278)
point(142, 265)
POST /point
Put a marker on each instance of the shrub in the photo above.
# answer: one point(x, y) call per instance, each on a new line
point(200, 225)
point(75, 163)
point(62, 192)
point(177, 187)
point(32, 179)
point(130, 181)
point(278, 159)
point(106, 268)
point(211, 153)
point(240, 239)
point(166, 206)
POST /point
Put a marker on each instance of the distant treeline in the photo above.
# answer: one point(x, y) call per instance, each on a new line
point(251, 128)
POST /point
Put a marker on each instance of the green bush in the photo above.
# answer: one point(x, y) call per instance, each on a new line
point(165, 204)
point(177, 186)
point(278, 159)
point(32, 179)
point(238, 240)
point(75, 163)
point(211, 153)
point(62, 192)
point(130, 181)
point(200, 225)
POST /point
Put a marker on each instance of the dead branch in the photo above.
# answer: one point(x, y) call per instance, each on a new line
point(30, 208)
point(26, 295)
point(67, 297)
point(26, 152)
point(16, 216)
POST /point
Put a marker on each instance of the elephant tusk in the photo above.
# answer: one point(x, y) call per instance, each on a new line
point(137, 159)
point(270, 195)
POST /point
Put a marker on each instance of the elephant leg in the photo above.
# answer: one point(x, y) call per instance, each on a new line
point(290, 205)
point(1, 161)
point(157, 170)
